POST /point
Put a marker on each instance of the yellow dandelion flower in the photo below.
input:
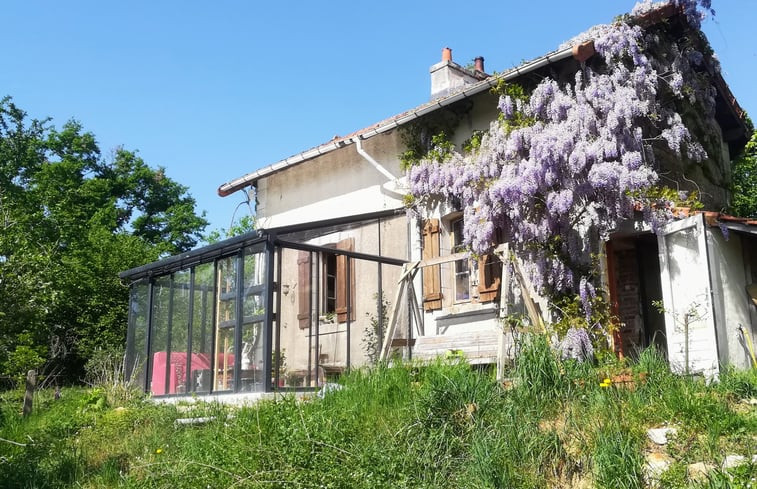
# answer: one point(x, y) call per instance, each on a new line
point(607, 381)
point(159, 450)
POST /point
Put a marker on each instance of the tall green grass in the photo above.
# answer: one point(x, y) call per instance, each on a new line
point(406, 426)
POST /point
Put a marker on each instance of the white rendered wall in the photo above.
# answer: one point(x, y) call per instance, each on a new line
point(729, 281)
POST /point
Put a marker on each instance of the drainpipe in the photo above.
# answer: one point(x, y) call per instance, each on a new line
point(369, 159)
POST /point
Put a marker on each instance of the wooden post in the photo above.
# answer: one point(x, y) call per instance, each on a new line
point(31, 382)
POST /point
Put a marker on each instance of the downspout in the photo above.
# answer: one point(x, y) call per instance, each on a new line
point(369, 159)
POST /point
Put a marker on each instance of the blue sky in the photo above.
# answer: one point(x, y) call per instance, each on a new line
point(214, 90)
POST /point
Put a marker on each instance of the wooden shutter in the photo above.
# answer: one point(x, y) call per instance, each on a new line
point(341, 281)
point(489, 278)
point(432, 282)
point(303, 288)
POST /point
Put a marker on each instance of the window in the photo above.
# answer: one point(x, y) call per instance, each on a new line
point(461, 268)
point(337, 284)
point(467, 279)
point(329, 283)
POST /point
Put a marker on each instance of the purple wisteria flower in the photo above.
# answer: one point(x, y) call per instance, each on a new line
point(576, 345)
point(575, 170)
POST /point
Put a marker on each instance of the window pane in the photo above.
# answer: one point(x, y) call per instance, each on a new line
point(252, 368)
point(179, 333)
point(136, 344)
point(462, 280)
point(225, 322)
point(461, 267)
point(457, 236)
point(329, 288)
point(202, 328)
point(159, 334)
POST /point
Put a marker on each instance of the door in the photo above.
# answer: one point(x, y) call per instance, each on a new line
point(687, 297)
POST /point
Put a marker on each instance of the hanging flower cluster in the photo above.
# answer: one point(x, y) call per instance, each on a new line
point(576, 345)
point(563, 166)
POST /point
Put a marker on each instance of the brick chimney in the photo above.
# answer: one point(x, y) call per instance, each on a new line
point(448, 76)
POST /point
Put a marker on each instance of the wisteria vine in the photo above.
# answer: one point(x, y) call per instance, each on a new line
point(565, 164)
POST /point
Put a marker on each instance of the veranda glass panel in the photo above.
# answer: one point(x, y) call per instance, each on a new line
point(136, 344)
point(161, 303)
point(225, 323)
point(252, 367)
point(292, 360)
point(201, 374)
point(179, 333)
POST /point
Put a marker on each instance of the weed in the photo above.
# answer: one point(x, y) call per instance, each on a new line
point(617, 459)
point(537, 369)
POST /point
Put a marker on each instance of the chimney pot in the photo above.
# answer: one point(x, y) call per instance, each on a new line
point(446, 54)
point(479, 64)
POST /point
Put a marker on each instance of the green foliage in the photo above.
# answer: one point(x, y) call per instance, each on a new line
point(70, 221)
point(431, 135)
point(617, 459)
point(740, 384)
point(537, 369)
point(26, 356)
point(105, 371)
point(243, 225)
point(519, 95)
point(669, 195)
point(744, 181)
point(373, 332)
point(474, 142)
point(438, 148)
point(599, 325)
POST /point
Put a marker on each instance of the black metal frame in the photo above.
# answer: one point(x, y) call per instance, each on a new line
point(270, 243)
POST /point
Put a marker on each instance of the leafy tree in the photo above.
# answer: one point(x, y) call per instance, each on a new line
point(243, 225)
point(70, 220)
point(744, 186)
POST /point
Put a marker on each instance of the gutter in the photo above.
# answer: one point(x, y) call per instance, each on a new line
point(579, 51)
point(369, 159)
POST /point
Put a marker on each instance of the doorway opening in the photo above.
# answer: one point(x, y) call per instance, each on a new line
point(636, 293)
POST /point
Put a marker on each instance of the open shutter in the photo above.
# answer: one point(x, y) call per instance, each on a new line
point(686, 295)
point(303, 289)
point(489, 278)
point(341, 281)
point(432, 283)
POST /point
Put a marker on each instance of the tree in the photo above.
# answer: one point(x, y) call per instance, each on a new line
point(243, 225)
point(744, 179)
point(70, 221)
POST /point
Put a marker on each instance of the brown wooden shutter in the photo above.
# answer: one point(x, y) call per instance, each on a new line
point(489, 278)
point(341, 281)
point(303, 288)
point(432, 282)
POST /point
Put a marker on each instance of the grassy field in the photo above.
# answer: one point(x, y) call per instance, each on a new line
point(445, 425)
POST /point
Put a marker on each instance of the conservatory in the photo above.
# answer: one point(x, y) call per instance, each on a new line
point(273, 309)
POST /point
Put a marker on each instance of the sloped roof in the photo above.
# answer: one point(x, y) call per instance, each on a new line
point(729, 113)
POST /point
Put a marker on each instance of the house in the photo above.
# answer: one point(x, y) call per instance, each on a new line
point(339, 274)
